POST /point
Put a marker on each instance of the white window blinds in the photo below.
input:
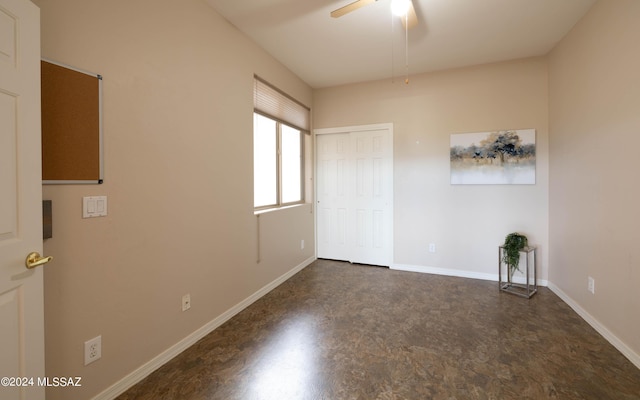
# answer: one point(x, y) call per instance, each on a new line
point(271, 102)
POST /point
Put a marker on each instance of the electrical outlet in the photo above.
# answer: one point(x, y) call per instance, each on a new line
point(186, 302)
point(92, 350)
point(302, 244)
point(432, 247)
point(591, 285)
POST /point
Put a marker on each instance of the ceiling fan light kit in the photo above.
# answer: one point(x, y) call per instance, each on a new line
point(400, 8)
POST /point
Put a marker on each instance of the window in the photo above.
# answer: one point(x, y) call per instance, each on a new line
point(277, 163)
point(265, 161)
point(279, 126)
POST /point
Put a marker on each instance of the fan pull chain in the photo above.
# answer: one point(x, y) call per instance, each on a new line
point(393, 68)
point(406, 47)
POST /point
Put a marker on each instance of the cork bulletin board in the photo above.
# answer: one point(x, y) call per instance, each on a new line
point(71, 125)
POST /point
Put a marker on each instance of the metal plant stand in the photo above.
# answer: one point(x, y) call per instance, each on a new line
point(521, 286)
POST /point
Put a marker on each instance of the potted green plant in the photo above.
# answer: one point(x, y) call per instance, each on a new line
point(513, 243)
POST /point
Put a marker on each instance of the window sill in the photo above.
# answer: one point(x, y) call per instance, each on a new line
point(269, 210)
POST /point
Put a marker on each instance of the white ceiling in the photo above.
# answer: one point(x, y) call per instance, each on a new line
point(369, 44)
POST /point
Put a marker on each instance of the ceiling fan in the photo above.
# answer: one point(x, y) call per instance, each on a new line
point(403, 8)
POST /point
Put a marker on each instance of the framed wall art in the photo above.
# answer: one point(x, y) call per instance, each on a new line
point(494, 158)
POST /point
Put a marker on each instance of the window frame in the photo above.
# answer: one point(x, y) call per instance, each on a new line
point(279, 170)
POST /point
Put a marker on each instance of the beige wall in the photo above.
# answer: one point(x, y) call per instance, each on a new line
point(466, 222)
point(178, 155)
point(594, 187)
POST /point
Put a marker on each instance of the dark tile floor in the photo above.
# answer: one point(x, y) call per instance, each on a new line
point(342, 331)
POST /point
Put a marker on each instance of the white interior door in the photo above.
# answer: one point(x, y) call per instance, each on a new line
point(21, 295)
point(355, 194)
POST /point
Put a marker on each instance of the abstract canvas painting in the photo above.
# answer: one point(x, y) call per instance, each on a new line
point(494, 158)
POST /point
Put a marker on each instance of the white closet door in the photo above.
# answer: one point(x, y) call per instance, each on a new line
point(333, 196)
point(355, 195)
point(371, 198)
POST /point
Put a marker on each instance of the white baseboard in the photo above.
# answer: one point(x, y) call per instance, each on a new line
point(456, 272)
point(139, 374)
point(595, 324)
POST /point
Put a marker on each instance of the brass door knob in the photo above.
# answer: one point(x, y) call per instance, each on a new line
point(34, 260)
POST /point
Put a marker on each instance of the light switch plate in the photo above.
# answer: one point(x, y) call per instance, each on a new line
point(94, 206)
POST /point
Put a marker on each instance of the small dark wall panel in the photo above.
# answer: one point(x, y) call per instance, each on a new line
point(71, 131)
point(47, 219)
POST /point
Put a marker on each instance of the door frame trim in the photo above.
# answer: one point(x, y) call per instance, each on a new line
point(356, 128)
point(347, 129)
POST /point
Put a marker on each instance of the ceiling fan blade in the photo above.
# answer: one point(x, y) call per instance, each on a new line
point(350, 7)
point(412, 18)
